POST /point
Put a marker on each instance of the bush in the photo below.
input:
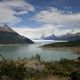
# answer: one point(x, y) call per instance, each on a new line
point(75, 75)
point(10, 70)
point(78, 58)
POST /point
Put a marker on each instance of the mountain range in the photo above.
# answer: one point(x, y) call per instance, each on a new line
point(66, 37)
point(9, 36)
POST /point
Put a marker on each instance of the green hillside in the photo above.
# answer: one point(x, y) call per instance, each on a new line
point(75, 43)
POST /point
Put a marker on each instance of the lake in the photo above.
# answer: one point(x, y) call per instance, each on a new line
point(29, 50)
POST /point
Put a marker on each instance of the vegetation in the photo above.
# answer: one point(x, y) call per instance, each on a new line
point(75, 43)
point(75, 75)
point(11, 70)
point(35, 69)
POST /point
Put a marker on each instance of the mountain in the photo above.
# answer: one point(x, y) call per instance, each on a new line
point(9, 36)
point(51, 37)
point(48, 37)
point(67, 37)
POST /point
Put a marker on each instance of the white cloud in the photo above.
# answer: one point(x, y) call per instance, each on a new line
point(22, 13)
point(8, 12)
point(19, 4)
point(45, 29)
point(67, 7)
point(35, 32)
point(55, 16)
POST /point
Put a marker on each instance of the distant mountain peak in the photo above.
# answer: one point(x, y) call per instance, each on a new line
point(67, 37)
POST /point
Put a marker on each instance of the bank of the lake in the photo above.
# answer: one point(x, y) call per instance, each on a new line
point(74, 45)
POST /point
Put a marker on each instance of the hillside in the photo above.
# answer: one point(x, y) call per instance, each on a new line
point(75, 43)
point(9, 36)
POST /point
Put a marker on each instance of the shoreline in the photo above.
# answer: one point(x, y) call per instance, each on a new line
point(74, 45)
point(76, 49)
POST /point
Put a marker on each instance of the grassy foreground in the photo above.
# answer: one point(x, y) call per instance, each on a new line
point(36, 69)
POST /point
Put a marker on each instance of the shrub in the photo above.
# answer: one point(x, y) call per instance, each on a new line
point(75, 75)
point(10, 70)
point(38, 57)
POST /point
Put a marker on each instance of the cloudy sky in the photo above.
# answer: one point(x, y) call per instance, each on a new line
point(33, 18)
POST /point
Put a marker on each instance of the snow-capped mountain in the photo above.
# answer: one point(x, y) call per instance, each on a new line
point(9, 36)
point(49, 37)
point(68, 36)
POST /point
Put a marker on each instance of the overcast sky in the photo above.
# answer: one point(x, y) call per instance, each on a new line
point(33, 18)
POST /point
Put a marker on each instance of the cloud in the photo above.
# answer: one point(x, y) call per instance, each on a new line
point(9, 9)
point(19, 4)
point(57, 17)
point(35, 32)
point(46, 29)
point(54, 22)
point(22, 13)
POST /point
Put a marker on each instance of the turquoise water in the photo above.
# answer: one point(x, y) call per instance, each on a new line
point(27, 51)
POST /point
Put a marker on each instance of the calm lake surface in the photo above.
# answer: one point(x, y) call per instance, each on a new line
point(29, 50)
